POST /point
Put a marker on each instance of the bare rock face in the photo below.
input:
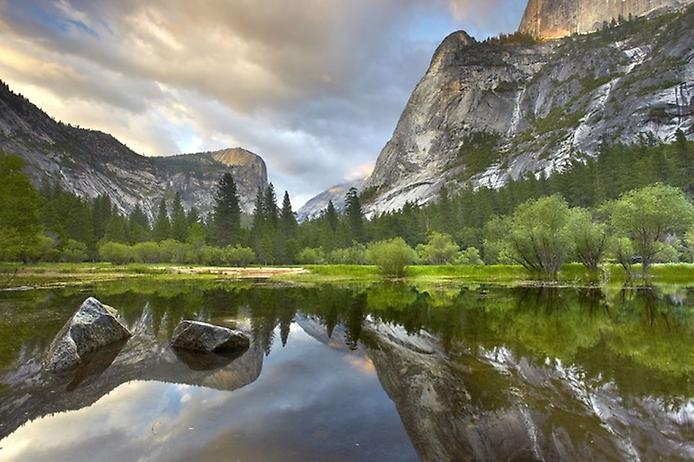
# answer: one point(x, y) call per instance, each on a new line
point(488, 113)
point(551, 19)
point(90, 163)
point(92, 327)
point(208, 338)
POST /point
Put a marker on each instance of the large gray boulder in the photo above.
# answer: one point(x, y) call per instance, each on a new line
point(92, 327)
point(201, 336)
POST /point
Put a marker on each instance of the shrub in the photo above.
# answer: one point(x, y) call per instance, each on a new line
point(146, 252)
point(116, 253)
point(311, 255)
point(74, 252)
point(439, 250)
point(238, 255)
point(469, 256)
point(392, 256)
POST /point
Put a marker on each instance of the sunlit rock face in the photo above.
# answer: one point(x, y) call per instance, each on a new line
point(90, 163)
point(539, 107)
point(551, 19)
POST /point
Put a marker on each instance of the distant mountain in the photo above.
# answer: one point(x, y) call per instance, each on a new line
point(89, 162)
point(486, 113)
point(317, 204)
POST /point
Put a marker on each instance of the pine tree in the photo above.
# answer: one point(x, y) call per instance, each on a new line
point(162, 225)
point(286, 247)
point(179, 221)
point(226, 217)
point(138, 225)
point(259, 224)
point(355, 216)
point(331, 216)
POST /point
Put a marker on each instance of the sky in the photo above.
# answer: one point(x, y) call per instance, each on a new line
point(315, 87)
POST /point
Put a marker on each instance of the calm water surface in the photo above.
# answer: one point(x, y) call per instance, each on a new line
point(384, 372)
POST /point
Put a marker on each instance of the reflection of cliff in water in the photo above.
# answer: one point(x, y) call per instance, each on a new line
point(488, 404)
point(145, 357)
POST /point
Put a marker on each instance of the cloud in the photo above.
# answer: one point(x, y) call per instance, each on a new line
point(313, 86)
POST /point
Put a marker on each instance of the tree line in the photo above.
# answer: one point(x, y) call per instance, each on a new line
point(596, 208)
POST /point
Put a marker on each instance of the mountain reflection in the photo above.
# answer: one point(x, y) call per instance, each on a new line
point(474, 372)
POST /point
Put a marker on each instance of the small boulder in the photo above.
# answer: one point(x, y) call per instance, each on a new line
point(93, 326)
point(201, 336)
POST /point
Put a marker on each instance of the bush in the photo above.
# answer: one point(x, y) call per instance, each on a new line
point(74, 252)
point(146, 252)
point(172, 251)
point(440, 250)
point(392, 256)
point(469, 256)
point(355, 255)
point(213, 256)
point(116, 253)
point(311, 255)
point(238, 255)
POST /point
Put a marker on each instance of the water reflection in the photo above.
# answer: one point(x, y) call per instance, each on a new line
point(474, 373)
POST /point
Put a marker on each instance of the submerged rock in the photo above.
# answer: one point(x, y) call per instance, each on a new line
point(93, 326)
point(201, 336)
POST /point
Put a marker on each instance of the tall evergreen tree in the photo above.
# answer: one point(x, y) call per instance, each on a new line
point(331, 216)
point(179, 221)
point(162, 225)
point(286, 247)
point(270, 207)
point(138, 225)
point(355, 216)
point(226, 216)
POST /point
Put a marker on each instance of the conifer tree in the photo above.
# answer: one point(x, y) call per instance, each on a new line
point(138, 225)
point(331, 216)
point(162, 225)
point(179, 221)
point(355, 216)
point(226, 217)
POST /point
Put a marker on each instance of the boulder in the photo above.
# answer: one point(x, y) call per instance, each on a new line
point(201, 336)
point(92, 327)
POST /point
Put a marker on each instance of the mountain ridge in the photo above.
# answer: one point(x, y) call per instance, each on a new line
point(89, 163)
point(486, 113)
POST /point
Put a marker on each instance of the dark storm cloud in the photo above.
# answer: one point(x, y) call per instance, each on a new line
point(314, 86)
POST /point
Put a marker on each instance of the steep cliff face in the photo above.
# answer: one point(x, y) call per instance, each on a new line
point(552, 19)
point(89, 163)
point(486, 113)
point(317, 204)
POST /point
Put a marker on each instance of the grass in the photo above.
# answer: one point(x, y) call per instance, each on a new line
point(71, 274)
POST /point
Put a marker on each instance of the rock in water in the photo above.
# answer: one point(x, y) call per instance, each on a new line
point(93, 326)
point(200, 336)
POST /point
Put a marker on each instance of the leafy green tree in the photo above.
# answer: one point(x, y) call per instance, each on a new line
point(439, 250)
point(538, 237)
point(589, 238)
point(179, 220)
point(226, 216)
point(162, 225)
point(622, 249)
point(116, 253)
point(647, 215)
point(19, 212)
point(391, 256)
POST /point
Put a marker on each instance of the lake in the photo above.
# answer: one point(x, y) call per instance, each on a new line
point(380, 372)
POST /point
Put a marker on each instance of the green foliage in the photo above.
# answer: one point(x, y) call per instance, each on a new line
point(469, 256)
point(354, 255)
point(116, 253)
point(537, 235)
point(19, 213)
point(162, 225)
point(647, 215)
point(310, 255)
point(439, 250)
point(589, 238)
point(478, 151)
point(391, 256)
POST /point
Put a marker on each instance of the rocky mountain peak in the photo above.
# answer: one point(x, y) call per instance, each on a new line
point(448, 49)
point(552, 19)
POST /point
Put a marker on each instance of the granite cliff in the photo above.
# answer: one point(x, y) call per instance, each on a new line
point(489, 112)
point(552, 19)
point(90, 163)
